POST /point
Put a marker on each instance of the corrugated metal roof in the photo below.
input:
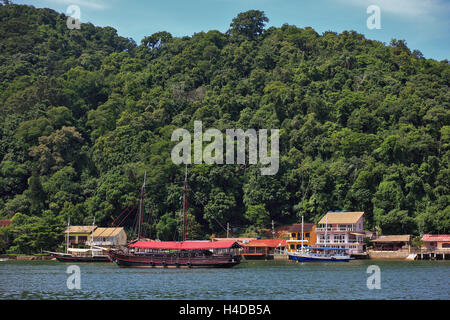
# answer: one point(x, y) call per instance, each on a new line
point(341, 217)
point(436, 237)
point(234, 239)
point(297, 227)
point(272, 243)
point(107, 232)
point(80, 229)
point(393, 238)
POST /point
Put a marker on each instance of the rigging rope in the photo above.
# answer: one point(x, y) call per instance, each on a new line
point(123, 211)
point(126, 216)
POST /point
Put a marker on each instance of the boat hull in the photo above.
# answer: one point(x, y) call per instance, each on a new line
point(172, 261)
point(64, 258)
point(319, 259)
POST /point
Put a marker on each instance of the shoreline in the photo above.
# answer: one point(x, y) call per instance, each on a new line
point(27, 257)
point(50, 258)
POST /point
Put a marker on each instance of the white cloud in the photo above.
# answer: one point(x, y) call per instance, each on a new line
point(93, 4)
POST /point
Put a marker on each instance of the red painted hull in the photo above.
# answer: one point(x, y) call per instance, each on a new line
point(172, 260)
point(65, 258)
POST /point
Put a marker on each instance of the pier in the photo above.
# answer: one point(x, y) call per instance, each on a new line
point(411, 254)
point(433, 254)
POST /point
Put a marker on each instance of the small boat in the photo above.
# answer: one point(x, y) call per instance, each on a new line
point(81, 255)
point(320, 254)
point(3, 259)
point(92, 254)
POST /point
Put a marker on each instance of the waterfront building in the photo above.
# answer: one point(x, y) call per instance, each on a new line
point(340, 229)
point(263, 249)
point(79, 235)
point(392, 243)
point(295, 236)
point(108, 237)
point(435, 242)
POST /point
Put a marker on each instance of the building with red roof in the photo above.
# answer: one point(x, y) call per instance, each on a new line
point(4, 223)
point(263, 248)
point(436, 242)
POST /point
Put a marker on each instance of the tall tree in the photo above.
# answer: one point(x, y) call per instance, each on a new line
point(249, 24)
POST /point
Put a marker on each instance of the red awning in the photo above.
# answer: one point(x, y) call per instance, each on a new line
point(185, 245)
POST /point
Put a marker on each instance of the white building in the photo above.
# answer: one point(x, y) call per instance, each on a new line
point(108, 237)
point(341, 230)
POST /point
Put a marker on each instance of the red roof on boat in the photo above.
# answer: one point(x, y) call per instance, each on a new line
point(436, 237)
point(184, 245)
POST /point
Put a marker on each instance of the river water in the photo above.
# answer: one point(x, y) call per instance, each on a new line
point(261, 280)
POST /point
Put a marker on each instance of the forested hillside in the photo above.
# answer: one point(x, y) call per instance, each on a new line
point(364, 126)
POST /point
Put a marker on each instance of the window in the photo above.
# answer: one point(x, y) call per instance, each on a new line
point(339, 238)
point(292, 247)
point(446, 245)
point(293, 235)
point(322, 238)
point(307, 235)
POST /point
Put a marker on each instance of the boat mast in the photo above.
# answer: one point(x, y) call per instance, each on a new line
point(67, 235)
point(185, 203)
point(141, 207)
point(302, 233)
point(150, 223)
point(92, 236)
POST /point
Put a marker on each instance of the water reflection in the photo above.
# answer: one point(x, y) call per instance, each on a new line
point(249, 280)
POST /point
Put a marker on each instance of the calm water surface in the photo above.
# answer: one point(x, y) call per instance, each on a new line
point(249, 280)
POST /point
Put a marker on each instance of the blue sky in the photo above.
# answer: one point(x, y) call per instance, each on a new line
point(424, 24)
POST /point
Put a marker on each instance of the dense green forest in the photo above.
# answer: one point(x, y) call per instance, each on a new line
point(364, 126)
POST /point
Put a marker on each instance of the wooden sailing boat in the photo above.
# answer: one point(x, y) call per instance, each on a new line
point(175, 254)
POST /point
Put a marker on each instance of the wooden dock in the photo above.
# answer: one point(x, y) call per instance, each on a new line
point(437, 254)
point(409, 254)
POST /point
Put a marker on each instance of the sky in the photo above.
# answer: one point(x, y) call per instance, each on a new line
point(424, 24)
